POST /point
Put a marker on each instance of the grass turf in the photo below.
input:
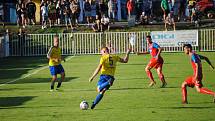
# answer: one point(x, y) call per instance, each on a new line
point(29, 99)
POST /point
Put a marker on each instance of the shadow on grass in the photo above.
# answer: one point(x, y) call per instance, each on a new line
point(42, 80)
point(14, 101)
point(15, 67)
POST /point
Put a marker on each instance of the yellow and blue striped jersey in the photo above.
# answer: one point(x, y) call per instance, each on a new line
point(54, 55)
point(108, 63)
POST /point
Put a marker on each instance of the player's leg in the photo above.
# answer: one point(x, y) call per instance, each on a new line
point(103, 85)
point(161, 76)
point(61, 71)
point(106, 84)
point(149, 74)
point(184, 92)
point(98, 98)
point(61, 80)
point(204, 90)
point(53, 72)
point(54, 78)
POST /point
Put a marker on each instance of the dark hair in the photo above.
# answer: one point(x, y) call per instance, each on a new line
point(187, 46)
point(148, 36)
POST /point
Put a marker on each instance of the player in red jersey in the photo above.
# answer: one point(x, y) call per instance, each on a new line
point(196, 79)
point(156, 61)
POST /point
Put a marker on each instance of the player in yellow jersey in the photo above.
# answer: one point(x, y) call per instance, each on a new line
point(54, 56)
point(107, 66)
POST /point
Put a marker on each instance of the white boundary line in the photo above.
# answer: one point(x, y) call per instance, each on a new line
point(36, 71)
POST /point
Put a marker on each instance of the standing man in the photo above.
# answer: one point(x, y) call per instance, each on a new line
point(196, 79)
point(54, 56)
point(156, 62)
point(107, 66)
point(31, 10)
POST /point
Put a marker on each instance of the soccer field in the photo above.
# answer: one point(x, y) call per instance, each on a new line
point(25, 95)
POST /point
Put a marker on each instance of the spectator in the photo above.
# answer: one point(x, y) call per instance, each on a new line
point(21, 38)
point(1, 14)
point(97, 24)
point(165, 8)
point(74, 13)
point(176, 4)
point(31, 10)
point(44, 12)
point(93, 9)
point(112, 10)
point(182, 7)
point(103, 9)
point(67, 16)
point(130, 8)
point(87, 11)
point(52, 13)
point(77, 10)
point(105, 23)
point(123, 9)
point(23, 15)
point(139, 8)
point(18, 12)
point(170, 21)
point(146, 13)
point(58, 11)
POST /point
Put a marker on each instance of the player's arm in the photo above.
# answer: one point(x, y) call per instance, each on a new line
point(95, 72)
point(126, 58)
point(197, 72)
point(50, 55)
point(159, 52)
point(207, 60)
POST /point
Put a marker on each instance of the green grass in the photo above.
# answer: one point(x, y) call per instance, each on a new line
point(29, 99)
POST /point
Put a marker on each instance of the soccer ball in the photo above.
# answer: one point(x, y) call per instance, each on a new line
point(84, 105)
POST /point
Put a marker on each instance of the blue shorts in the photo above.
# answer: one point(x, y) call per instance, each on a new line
point(54, 70)
point(105, 78)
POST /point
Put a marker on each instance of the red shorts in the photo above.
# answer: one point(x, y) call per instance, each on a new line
point(155, 63)
point(192, 83)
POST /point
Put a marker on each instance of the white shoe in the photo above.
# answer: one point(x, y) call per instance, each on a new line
point(152, 84)
point(51, 90)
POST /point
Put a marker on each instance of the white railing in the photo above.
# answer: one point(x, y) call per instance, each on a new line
point(90, 43)
point(207, 40)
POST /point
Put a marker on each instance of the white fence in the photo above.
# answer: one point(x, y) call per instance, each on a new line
point(90, 43)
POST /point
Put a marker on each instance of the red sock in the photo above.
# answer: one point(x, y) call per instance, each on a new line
point(184, 94)
point(206, 91)
point(149, 73)
point(161, 77)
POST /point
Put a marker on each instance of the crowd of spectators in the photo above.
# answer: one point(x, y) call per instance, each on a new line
point(98, 14)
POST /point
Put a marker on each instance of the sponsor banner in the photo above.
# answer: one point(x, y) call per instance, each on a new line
point(175, 38)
